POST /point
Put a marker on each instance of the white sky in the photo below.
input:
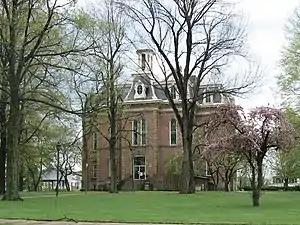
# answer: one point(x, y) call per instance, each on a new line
point(266, 19)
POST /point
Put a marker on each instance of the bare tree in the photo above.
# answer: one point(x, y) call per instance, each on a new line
point(196, 41)
point(108, 30)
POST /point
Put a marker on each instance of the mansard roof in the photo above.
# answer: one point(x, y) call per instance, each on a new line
point(152, 89)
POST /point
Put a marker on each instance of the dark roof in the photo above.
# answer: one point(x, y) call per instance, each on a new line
point(153, 90)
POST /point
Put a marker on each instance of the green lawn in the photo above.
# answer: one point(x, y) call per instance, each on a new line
point(203, 207)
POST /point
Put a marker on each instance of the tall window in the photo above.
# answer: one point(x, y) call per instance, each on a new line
point(95, 141)
point(143, 132)
point(135, 132)
point(139, 168)
point(139, 132)
point(143, 61)
point(94, 169)
point(173, 131)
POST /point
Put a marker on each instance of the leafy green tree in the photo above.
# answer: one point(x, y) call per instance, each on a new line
point(37, 37)
point(289, 79)
point(287, 164)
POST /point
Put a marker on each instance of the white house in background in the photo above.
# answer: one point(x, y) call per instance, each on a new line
point(49, 179)
point(279, 182)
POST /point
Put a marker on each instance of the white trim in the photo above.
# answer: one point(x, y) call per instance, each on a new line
point(131, 88)
point(153, 90)
point(140, 101)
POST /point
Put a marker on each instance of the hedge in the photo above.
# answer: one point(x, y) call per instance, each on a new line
point(272, 188)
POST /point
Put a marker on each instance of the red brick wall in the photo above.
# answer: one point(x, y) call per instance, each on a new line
point(157, 151)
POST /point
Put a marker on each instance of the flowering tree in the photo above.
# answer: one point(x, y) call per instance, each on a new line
point(256, 133)
point(223, 165)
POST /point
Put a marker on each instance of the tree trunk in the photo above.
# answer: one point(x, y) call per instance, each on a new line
point(113, 108)
point(255, 197)
point(3, 145)
point(217, 179)
point(85, 172)
point(257, 184)
point(35, 187)
point(227, 189)
point(255, 193)
point(21, 179)
point(12, 188)
point(113, 168)
point(286, 184)
point(67, 183)
point(112, 148)
point(227, 181)
point(15, 67)
point(187, 184)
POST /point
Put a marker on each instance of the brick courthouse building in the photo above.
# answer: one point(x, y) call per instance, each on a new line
point(151, 133)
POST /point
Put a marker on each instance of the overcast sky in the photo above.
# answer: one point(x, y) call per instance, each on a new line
point(266, 19)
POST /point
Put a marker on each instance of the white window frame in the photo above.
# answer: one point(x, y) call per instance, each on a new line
point(170, 132)
point(139, 166)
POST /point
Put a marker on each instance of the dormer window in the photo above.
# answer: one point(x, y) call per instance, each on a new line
point(140, 90)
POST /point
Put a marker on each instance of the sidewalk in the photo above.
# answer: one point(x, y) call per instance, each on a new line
point(33, 222)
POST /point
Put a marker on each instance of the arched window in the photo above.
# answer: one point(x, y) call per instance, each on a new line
point(139, 89)
point(173, 131)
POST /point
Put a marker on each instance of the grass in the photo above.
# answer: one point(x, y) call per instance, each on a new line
point(203, 207)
